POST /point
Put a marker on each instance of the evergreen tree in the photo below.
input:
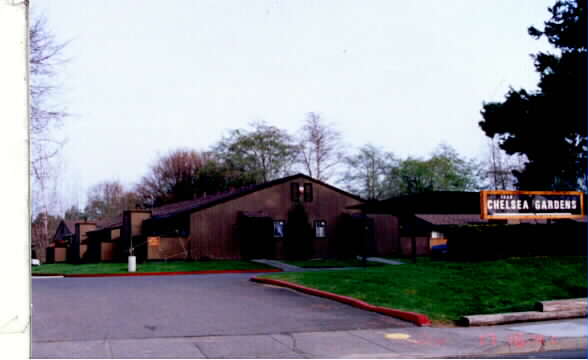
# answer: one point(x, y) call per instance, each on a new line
point(548, 125)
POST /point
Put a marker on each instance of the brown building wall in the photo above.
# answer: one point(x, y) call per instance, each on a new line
point(213, 230)
point(79, 245)
point(137, 218)
point(386, 234)
point(108, 251)
point(132, 223)
point(131, 234)
point(105, 245)
point(82, 229)
point(422, 243)
point(60, 254)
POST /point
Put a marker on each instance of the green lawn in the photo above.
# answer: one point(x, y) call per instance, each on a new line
point(155, 266)
point(329, 263)
point(445, 291)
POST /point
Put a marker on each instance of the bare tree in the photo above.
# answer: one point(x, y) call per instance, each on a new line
point(366, 172)
point(498, 172)
point(40, 225)
point(74, 213)
point(45, 56)
point(46, 201)
point(320, 148)
point(108, 198)
point(172, 177)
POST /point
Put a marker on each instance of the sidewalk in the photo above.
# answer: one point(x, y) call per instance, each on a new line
point(417, 342)
point(279, 265)
point(385, 261)
point(293, 268)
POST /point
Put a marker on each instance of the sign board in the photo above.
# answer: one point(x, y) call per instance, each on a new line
point(503, 204)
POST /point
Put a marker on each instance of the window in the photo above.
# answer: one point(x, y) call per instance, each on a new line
point(307, 192)
point(295, 191)
point(320, 229)
point(279, 226)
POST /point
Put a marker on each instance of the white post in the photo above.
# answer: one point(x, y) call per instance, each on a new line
point(132, 263)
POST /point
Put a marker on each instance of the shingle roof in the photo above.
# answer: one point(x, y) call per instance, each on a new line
point(451, 219)
point(70, 226)
point(111, 222)
point(108, 223)
point(211, 200)
point(190, 205)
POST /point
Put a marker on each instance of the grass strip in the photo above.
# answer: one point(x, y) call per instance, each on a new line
point(445, 290)
point(151, 266)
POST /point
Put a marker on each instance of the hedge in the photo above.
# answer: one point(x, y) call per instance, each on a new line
point(495, 241)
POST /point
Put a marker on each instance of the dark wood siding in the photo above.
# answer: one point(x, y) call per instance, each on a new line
point(386, 234)
point(422, 245)
point(213, 230)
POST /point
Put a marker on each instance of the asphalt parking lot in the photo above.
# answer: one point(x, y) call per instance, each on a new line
point(68, 309)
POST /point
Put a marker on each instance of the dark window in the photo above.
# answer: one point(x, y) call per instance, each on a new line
point(295, 191)
point(279, 227)
point(320, 229)
point(308, 192)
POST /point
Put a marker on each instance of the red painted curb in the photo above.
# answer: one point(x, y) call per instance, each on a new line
point(203, 272)
point(416, 318)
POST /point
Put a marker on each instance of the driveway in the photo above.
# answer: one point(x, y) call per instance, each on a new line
point(178, 306)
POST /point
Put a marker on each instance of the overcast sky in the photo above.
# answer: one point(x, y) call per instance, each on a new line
point(146, 77)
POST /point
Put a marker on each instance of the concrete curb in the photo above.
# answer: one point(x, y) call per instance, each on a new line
point(168, 273)
point(529, 347)
point(416, 318)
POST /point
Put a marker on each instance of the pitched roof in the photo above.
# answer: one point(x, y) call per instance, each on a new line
point(195, 204)
point(211, 200)
point(201, 203)
point(70, 225)
point(110, 222)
